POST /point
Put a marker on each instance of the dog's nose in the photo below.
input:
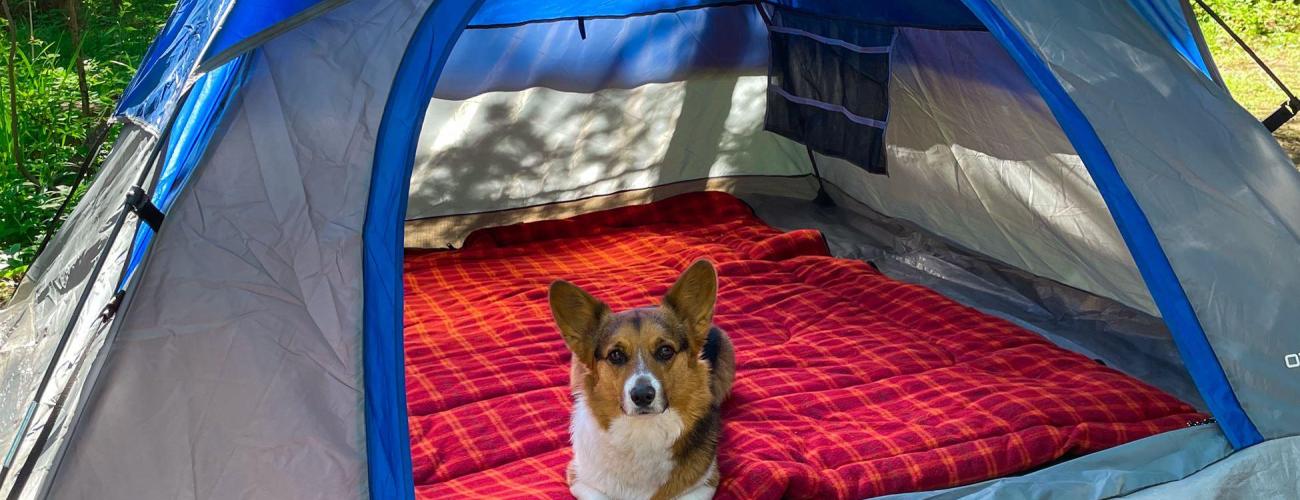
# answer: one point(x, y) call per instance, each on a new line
point(642, 394)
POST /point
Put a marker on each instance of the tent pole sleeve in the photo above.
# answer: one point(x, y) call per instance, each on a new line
point(388, 439)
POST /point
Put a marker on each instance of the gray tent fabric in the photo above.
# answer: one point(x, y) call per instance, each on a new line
point(1110, 473)
point(956, 176)
point(505, 150)
point(1267, 470)
point(237, 369)
point(977, 158)
point(34, 320)
point(1223, 197)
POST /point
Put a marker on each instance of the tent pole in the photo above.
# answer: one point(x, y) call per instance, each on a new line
point(50, 367)
point(1288, 109)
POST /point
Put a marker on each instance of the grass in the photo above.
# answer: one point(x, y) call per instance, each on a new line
point(52, 127)
point(1272, 29)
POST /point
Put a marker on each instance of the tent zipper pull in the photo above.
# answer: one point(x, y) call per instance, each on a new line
point(582, 28)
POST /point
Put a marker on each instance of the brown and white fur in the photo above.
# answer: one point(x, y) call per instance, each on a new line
point(648, 386)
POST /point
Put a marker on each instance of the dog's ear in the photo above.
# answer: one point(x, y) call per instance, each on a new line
point(578, 315)
point(691, 300)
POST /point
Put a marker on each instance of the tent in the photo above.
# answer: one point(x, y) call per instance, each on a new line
point(221, 315)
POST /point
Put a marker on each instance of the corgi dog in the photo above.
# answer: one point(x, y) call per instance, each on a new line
point(648, 386)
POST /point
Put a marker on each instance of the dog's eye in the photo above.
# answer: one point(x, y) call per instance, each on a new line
point(664, 353)
point(617, 357)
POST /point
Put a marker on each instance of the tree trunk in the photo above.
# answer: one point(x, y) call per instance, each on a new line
point(74, 27)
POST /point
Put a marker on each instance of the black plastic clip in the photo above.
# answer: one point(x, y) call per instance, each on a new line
point(138, 202)
point(582, 28)
point(111, 307)
point(1284, 114)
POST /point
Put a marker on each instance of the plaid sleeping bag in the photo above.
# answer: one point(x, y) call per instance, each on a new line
point(849, 384)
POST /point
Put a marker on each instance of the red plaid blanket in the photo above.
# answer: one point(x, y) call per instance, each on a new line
point(849, 384)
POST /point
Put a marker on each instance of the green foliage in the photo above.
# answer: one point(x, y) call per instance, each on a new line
point(1254, 19)
point(1272, 29)
point(52, 127)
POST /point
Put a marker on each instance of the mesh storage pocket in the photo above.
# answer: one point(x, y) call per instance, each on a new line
point(828, 86)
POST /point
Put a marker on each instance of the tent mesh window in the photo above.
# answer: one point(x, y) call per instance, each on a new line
point(828, 86)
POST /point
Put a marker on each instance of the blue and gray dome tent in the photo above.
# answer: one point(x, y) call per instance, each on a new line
point(221, 315)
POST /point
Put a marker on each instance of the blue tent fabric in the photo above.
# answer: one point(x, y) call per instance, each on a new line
point(388, 446)
point(154, 92)
point(196, 121)
point(197, 32)
point(934, 14)
point(1136, 230)
point(615, 53)
point(1168, 18)
point(515, 12)
point(251, 19)
point(938, 14)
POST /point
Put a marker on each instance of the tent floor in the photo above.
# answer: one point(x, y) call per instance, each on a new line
point(1097, 327)
point(849, 383)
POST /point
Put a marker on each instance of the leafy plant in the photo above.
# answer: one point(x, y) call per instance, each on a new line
point(52, 127)
point(1256, 18)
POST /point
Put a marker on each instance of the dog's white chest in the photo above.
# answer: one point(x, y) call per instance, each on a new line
point(631, 459)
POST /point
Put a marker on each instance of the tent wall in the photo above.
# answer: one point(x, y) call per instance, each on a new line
point(975, 155)
point(1175, 21)
point(32, 323)
point(195, 122)
point(600, 110)
point(938, 14)
point(1216, 188)
point(237, 370)
point(252, 23)
point(507, 150)
point(607, 53)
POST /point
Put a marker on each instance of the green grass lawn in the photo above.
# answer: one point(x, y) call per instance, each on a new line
point(52, 127)
point(1272, 28)
point(1255, 92)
